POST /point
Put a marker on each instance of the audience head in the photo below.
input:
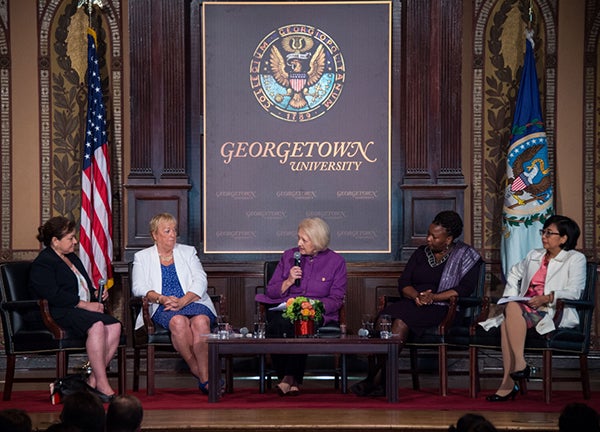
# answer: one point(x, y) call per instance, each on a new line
point(565, 227)
point(578, 417)
point(124, 414)
point(84, 411)
point(61, 427)
point(58, 227)
point(317, 231)
point(15, 420)
point(472, 423)
point(451, 221)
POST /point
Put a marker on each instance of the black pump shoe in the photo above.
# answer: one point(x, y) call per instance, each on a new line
point(104, 398)
point(497, 398)
point(522, 374)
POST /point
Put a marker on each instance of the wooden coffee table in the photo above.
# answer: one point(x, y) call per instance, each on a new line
point(218, 348)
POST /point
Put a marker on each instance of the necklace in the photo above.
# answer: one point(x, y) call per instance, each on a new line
point(431, 257)
point(166, 257)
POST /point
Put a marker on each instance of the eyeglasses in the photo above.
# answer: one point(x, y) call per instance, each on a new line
point(547, 233)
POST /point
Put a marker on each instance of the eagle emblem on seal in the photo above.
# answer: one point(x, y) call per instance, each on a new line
point(530, 175)
point(299, 68)
point(297, 73)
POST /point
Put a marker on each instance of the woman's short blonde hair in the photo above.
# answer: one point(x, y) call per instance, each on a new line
point(160, 218)
point(317, 230)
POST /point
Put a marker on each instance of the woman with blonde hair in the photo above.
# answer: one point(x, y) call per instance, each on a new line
point(311, 270)
point(171, 276)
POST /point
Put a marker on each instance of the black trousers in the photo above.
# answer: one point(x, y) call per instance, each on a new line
point(285, 364)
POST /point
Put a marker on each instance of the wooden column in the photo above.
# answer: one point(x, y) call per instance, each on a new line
point(157, 180)
point(431, 116)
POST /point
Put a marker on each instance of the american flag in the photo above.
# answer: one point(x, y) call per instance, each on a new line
point(96, 248)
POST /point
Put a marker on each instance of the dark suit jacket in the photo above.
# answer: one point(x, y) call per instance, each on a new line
point(53, 280)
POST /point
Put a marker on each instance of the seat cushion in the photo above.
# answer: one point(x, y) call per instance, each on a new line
point(161, 336)
point(42, 340)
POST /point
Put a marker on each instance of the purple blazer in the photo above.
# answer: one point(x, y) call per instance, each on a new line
point(323, 278)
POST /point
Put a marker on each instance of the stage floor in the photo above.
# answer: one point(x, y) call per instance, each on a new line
point(393, 417)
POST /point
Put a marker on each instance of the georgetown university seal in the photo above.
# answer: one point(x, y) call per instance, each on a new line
point(297, 73)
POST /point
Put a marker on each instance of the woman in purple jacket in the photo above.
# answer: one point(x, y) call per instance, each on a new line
point(320, 275)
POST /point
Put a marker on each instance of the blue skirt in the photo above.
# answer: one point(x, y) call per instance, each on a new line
point(172, 287)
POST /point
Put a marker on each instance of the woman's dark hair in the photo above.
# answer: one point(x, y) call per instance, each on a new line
point(451, 221)
point(577, 416)
point(565, 226)
point(472, 423)
point(15, 420)
point(84, 410)
point(58, 227)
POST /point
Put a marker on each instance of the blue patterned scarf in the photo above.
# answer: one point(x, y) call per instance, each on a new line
point(462, 259)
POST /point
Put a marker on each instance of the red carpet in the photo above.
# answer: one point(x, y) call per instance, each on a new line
point(428, 399)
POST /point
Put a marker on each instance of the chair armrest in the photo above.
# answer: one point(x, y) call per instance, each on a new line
point(148, 323)
point(54, 328)
point(562, 303)
point(484, 314)
point(262, 312)
point(450, 315)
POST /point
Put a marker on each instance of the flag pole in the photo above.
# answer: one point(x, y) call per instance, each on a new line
point(530, 24)
point(90, 6)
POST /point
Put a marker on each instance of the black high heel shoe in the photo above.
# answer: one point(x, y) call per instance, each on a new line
point(497, 398)
point(522, 374)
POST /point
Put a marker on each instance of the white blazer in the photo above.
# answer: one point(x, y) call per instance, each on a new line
point(146, 275)
point(566, 277)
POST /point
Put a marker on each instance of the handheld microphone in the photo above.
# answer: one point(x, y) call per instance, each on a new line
point(101, 283)
point(297, 262)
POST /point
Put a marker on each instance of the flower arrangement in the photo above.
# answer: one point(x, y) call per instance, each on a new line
point(303, 309)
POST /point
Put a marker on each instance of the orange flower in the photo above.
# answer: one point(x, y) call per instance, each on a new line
point(303, 308)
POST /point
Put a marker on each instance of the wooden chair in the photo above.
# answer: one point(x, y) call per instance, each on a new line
point(562, 341)
point(339, 360)
point(29, 330)
point(451, 334)
point(154, 341)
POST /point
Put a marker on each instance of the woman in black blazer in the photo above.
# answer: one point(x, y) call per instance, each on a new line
point(58, 275)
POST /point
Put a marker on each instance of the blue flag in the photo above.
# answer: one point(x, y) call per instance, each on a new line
point(528, 194)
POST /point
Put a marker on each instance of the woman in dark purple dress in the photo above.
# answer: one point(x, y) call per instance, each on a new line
point(435, 272)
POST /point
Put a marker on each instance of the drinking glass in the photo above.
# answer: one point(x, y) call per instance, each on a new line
point(385, 326)
point(367, 326)
point(223, 326)
point(260, 328)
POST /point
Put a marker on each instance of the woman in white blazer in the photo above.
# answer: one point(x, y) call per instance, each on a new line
point(171, 276)
point(545, 275)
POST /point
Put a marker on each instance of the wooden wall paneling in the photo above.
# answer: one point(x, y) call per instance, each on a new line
point(146, 201)
point(421, 204)
point(157, 181)
point(356, 304)
point(433, 178)
point(141, 83)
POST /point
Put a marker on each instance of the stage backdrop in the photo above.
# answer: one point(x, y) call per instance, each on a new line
point(297, 124)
